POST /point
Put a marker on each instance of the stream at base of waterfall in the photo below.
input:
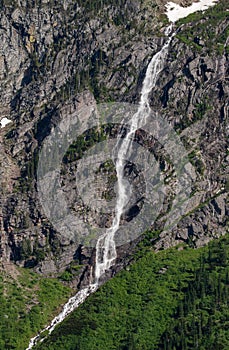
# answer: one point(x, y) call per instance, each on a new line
point(105, 247)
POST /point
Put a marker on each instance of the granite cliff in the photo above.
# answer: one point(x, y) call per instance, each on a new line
point(55, 58)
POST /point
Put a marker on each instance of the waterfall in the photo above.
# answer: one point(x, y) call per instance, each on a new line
point(105, 247)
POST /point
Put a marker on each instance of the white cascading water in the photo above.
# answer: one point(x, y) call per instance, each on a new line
point(105, 247)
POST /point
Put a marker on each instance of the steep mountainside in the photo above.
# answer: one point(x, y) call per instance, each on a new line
point(51, 54)
point(59, 58)
point(56, 58)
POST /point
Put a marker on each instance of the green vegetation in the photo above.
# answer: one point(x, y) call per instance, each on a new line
point(201, 319)
point(201, 109)
point(200, 33)
point(71, 272)
point(88, 139)
point(28, 173)
point(196, 161)
point(28, 302)
point(175, 299)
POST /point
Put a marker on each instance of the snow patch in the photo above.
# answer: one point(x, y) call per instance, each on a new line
point(4, 121)
point(175, 11)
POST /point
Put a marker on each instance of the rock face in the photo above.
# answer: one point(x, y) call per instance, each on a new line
point(56, 58)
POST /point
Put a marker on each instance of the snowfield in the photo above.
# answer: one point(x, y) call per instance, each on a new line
point(4, 121)
point(175, 11)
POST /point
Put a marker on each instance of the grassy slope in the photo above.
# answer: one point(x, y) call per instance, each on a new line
point(27, 301)
point(137, 309)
